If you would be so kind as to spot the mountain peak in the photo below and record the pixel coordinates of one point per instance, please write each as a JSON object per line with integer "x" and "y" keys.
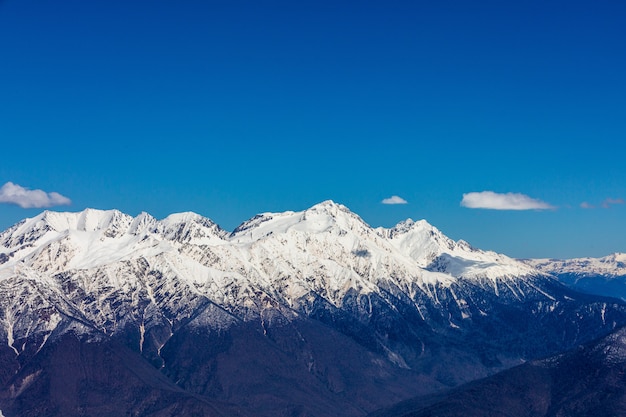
{"x": 328, "y": 202}
{"x": 328, "y": 205}
{"x": 408, "y": 225}
{"x": 617, "y": 257}
{"x": 183, "y": 217}
{"x": 142, "y": 223}
{"x": 335, "y": 211}
{"x": 315, "y": 219}
{"x": 89, "y": 220}
{"x": 190, "y": 227}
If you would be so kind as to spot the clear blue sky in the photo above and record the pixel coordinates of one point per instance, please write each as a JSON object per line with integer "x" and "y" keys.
{"x": 231, "y": 108}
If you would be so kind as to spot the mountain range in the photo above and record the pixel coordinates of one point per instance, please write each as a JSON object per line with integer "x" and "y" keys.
{"x": 310, "y": 313}
{"x": 602, "y": 276}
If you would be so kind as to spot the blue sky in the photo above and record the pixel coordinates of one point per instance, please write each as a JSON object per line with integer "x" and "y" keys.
{"x": 231, "y": 108}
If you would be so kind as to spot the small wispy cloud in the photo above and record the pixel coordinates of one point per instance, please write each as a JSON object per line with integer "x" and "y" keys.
{"x": 16, "y": 194}
{"x": 612, "y": 201}
{"x": 607, "y": 203}
{"x": 503, "y": 201}
{"x": 394, "y": 199}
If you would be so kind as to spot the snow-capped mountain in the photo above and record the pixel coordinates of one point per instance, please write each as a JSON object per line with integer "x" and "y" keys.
{"x": 318, "y": 293}
{"x": 601, "y": 276}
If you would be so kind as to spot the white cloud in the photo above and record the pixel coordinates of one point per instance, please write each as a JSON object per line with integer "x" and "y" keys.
{"x": 499, "y": 201}
{"x": 607, "y": 203}
{"x": 610, "y": 201}
{"x": 16, "y": 194}
{"x": 394, "y": 199}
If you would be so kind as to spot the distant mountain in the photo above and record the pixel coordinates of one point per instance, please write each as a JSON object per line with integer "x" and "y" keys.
{"x": 602, "y": 276}
{"x": 310, "y": 313}
{"x": 609, "y": 266}
{"x": 587, "y": 381}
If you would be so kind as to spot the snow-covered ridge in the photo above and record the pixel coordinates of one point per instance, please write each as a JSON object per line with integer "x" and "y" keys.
{"x": 613, "y": 265}
{"x": 91, "y": 238}
{"x": 325, "y": 250}
{"x": 98, "y": 237}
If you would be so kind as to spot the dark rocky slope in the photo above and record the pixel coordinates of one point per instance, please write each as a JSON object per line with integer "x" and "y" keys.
{"x": 588, "y": 381}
